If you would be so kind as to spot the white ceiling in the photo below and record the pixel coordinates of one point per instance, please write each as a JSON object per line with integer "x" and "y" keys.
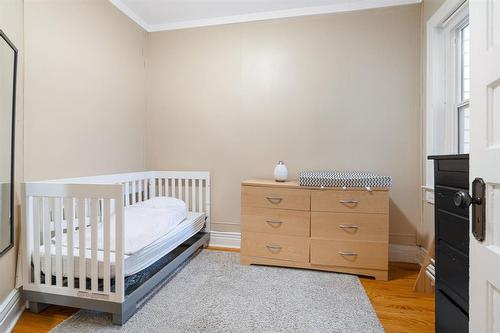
{"x": 158, "y": 15}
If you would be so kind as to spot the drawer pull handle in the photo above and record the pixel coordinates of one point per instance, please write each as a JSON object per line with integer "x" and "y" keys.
{"x": 274, "y": 200}
{"x": 348, "y": 226}
{"x": 348, "y": 254}
{"x": 274, "y": 224}
{"x": 348, "y": 201}
{"x": 275, "y": 248}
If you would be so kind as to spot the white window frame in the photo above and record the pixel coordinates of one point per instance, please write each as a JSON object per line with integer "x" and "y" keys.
{"x": 441, "y": 116}
{"x": 458, "y": 101}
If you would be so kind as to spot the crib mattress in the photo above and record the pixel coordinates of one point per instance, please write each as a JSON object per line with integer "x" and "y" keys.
{"x": 134, "y": 261}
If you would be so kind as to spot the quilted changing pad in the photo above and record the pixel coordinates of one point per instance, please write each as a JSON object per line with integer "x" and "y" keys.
{"x": 343, "y": 179}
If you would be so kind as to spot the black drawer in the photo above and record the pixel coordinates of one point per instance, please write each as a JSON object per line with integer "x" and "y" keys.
{"x": 449, "y": 317}
{"x": 454, "y": 230}
{"x": 443, "y": 198}
{"x": 452, "y": 273}
{"x": 453, "y": 173}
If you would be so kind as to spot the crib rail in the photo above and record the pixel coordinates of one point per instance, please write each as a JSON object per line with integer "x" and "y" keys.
{"x": 73, "y": 208}
{"x": 52, "y": 211}
{"x": 190, "y": 186}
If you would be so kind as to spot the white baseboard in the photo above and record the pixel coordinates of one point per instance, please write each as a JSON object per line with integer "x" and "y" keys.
{"x": 10, "y": 311}
{"x": 405, "y": 253}
{"x": 225, "y": 239}
{"x": 399, "y": 253}
{"x": 422, "y": 254}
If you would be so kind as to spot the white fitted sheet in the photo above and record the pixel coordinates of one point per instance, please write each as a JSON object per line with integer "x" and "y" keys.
{"x": 145, "y": 222}
{"x": 136, "y": 259}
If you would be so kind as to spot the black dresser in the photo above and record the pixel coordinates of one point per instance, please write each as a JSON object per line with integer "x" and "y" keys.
{"x": 451, "y": 176}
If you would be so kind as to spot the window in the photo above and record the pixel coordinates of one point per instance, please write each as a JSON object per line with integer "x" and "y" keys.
{"x": 447, "y": 94}
{"x": 462, "y": 105}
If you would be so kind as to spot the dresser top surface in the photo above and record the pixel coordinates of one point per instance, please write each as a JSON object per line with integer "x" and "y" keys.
{"x": 295, "y": 184}
{"x": 449, "y": 157}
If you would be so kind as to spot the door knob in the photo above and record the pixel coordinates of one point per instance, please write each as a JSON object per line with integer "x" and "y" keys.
{"x": 462, "y": 199}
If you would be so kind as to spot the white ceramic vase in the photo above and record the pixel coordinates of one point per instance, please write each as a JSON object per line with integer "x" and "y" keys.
{"x": 280, "y": 172}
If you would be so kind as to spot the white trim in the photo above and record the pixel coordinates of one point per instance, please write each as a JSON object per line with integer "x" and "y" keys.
{"x": 422, "y": 254}
{"x": 428, "y": 194}
{"x": 10, "y": 311}
{"x": 440, "y": 124}
{"x": 296, "y": 12}
{"x": 225, "y": 239}
{"x": 404, "y": 253}
{"x": 131, "y": 14}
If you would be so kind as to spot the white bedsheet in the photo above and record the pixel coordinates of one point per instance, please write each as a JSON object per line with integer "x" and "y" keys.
{"x": 133, "y": 263}
{"x": 153, "y": 228}
{"x": 145, "y": 222}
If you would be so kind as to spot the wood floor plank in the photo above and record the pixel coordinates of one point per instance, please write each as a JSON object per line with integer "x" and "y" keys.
{"x": 398, "y": 307}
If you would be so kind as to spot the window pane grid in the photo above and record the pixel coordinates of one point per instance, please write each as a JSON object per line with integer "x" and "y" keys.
{"x": 463, "y": 129}
{"x": 465, "y": 63}
{"x": 463, "y": 110}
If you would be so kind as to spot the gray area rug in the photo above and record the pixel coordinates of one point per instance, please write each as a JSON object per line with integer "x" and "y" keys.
{"x": 214, "y": 293}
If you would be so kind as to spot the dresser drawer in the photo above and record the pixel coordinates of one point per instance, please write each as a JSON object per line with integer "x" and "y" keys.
{"x": 280, "y": 247}
{"x": 452, "y": 173}
{"x": 444, "y": 201}
{"x": 449, "y": 317}
{"x": 368, "y": 255}
{"x": 275, "y": 221}
{"x": 453, "y": 273}
{"x": 350, "y": 226}
{"x": 348, "y": 201}
{"x": 268, "y": 197}
{"x": 453, "y": 229}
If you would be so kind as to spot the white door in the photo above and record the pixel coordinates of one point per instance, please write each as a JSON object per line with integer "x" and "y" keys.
{"x": 484, "y": 299}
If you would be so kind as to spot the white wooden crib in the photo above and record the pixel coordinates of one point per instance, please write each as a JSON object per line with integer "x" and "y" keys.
{"x": 53, "y": 209}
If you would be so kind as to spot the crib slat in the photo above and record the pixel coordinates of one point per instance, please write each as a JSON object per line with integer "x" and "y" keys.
{"x": 93, "y": 244}
{"x": 206, "y": 207}
{"x": 139, "y": 190}
{"x": 46, "y": 241}
{"x": 133, "y": 193}
{"x": 145, "y": 187}
{"x": 81, "y": 243}
{"x": 166, "y": 192}
{"x": 125, "y": 190}
{"x": 186, "y": 191}
{"x": 37, "y": 218}
{"x": 70, "y": 216}
{"x": 106, "y": 238}
{"x": 193, "y": 195}
{"x": 200, "y": 195}
{"x": 152, "y": 187}
{"x": 174, "y": 188}
{"x": 119, "y": 260}
{"x": 57, "y": 211}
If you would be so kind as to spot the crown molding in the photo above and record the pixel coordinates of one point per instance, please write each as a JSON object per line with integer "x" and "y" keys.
{"x": 296, "y": 12}
{"x": 131, "y": 14}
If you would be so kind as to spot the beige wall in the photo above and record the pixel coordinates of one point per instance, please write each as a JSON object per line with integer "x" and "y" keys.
{"x": 84, "y": 94}
{"x": 426, "y": 231}
{"x": 84, "y": 90}
{"x": 334, "y": 91}
{"x": 11, "y": 22}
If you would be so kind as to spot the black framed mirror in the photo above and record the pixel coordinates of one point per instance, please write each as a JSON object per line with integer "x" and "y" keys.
{"x": 8, "y": 72}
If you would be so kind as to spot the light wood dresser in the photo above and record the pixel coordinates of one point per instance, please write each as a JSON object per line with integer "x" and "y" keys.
{"x": 333, "y": 229}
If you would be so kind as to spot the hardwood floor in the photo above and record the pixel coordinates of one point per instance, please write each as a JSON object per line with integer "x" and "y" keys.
{"x": 398, "y": 307}
{"x": 44, "y": 321}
